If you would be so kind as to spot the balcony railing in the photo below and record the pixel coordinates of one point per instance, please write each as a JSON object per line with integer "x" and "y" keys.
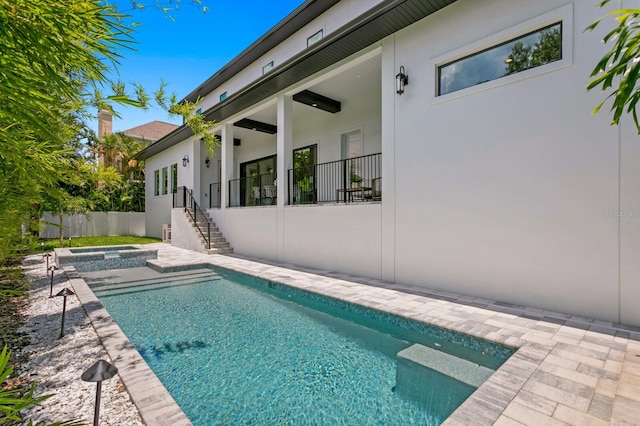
{"x": 349, "y": 180}
{"x": 256, "y": 190}
{"x": 214, "y": 195}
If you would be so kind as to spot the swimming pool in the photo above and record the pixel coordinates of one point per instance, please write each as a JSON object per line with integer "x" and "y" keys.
{"x": 244, "y": 350}
{"x": 104, "y": 258}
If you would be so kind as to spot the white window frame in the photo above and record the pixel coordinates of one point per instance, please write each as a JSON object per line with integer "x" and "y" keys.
{"x": 564, "y": 14}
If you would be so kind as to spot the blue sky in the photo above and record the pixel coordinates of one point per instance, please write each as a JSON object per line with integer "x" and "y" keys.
{"x": 187, "y": 50}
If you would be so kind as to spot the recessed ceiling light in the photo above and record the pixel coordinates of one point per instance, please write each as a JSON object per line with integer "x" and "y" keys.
{"x": 314, "y": 105}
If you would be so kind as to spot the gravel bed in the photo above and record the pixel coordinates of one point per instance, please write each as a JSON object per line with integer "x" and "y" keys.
{"x": 56, "y": 364}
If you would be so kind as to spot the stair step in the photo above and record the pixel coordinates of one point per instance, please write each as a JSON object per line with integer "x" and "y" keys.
{"x": 220, "y": 250}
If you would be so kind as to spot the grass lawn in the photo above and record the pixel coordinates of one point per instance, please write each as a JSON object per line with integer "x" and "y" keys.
{"x": 53, "y": 243}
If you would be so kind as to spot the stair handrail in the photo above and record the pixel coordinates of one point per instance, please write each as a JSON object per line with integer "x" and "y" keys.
{"x": 192, "y": 208}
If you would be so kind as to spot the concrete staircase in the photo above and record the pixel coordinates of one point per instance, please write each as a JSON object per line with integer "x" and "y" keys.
{"x": 205, "y": 225}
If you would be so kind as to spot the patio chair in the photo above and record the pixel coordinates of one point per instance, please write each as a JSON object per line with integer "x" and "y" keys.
{"x": 256, "y": 195}
{"x": 376, "y": 189}
{"x": 269, "y": 193}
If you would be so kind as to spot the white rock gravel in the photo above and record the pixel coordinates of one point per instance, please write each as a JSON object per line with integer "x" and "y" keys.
{"x": 55, "y": 365}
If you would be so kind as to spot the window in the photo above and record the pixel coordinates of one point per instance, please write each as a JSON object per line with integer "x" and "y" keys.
{"x": 531, "y": 50}
{"x": 165, "y": 181}
{"x": 315, "y": 38}
{"x": 224, "y": 95}
{"x": 156, "y": 183}
{"x": 174, "y": 178}
{"x": 267, "y": 68}
{"x": 199, "y": 111}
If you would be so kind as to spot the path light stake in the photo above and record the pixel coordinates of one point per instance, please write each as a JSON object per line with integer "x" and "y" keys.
{"x": 42, "y": 246}
{"x": 98, "y": 372}
{"x": 48, "y": 255}
{"x": 51, "y": 268}
{"x": 64, "y": 293}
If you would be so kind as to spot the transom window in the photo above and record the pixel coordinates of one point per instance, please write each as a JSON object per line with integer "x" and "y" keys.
{"x": 315, "y": 38}
{"x": 267, "y": 68}
{"x": 224, "y": 96}
{"x": 531, "y": 50}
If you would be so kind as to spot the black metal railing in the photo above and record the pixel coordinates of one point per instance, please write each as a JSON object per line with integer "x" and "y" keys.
{"x": 252, "y": 191}
{"x": 214, "y": 195}
{"x": 353, "y": 179}
{"x": 183, "y": 198}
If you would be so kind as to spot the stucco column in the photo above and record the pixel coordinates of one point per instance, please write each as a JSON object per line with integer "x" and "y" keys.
{"x": 194, "y": 163}
{"x": 388, "y": 211}
{"x": 226, "y": 167}
{"x": 285, "y": 154}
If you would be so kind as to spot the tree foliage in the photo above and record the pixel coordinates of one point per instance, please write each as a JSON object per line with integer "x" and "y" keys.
{"x": 618, "y": 70}
{"x": 547, "y": 49}
{"x": 55, "y": 60}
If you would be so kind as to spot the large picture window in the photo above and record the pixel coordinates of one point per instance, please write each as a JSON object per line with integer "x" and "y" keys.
{"x": 528, "y": 51}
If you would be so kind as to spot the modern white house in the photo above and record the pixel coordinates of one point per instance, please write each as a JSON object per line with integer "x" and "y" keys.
{"x": 439, "y": 143}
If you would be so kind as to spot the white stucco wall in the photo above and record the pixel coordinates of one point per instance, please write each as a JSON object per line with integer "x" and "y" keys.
{"x": 500, "y": 192}
{"x": 158, "y": 208}
{"x": 335, "y": 238}
{"x": 183, "y": 234}
{"x": 251, "y": 231}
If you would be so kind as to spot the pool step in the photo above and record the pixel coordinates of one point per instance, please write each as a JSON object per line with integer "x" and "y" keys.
{"x": 436, "y": 378}
{"x": 144, "y": 285}
{"x": 112, "y": 282}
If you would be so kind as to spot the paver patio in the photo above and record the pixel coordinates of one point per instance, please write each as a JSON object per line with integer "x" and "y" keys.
{"x": 567, "y": 370}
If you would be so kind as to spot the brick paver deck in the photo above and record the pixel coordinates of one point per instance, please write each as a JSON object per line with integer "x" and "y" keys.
{"x": 567, "y": 369}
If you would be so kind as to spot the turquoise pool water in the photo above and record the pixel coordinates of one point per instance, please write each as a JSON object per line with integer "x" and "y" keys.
{"x": 243, "y": 350}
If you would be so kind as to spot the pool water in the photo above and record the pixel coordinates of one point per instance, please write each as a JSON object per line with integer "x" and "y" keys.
{"x": 242, "y": 350}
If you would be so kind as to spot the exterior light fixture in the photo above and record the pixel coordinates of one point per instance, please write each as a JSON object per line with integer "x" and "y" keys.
{"x": 42, "y": 246}
{"x": 64, "y": 293}
{"x": 98, "y": 372}
{"x": 47, "y": 256}
{"x": 207, "y": 162}
{"x": 52, "y": 268}
{"x": 402, "y": 79}
{"x": 185, "y": 160}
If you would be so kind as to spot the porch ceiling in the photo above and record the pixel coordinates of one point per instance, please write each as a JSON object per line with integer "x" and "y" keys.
{"x": 386, "y": 18}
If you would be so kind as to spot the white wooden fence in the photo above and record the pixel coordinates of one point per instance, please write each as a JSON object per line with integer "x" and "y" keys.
{"x": 100, "y": 224}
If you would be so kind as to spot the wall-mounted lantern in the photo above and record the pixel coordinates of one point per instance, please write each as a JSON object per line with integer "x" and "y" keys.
{"x": 401, "y": 80}
{"x": 207, "y": 162}
{"x": 185, "y": 160}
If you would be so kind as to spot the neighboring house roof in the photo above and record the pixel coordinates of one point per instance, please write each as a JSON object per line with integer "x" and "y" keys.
{"x": 151, "y": 131}
{"x": 372, "y": 26}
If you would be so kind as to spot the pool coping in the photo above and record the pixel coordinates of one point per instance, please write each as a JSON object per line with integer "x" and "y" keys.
{"x": 566, "y": 368}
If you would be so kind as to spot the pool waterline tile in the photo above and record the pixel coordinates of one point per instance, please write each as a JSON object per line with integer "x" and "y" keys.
{"x": 431, "y": 306}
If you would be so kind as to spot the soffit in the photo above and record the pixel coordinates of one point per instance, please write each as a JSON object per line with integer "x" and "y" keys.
{"x": 379, "y": 22}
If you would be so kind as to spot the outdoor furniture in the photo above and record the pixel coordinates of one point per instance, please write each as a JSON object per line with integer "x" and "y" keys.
{"x": 376, "y": 189}
{"x": 269, "y": 193}
{"x": 351, "y": 194}
{"x": 256, "y": 195}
